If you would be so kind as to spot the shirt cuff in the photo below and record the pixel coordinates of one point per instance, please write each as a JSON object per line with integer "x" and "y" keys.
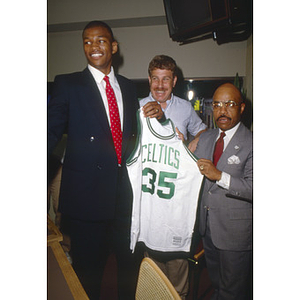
{"x": 224, "y": 182}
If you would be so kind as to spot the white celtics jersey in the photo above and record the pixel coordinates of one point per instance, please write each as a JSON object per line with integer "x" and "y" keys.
{"x": 166, "y": 182}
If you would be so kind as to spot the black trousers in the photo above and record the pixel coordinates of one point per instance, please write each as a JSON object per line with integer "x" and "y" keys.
{"x": 91, "y": 244}
{"x": 229, "y": 271}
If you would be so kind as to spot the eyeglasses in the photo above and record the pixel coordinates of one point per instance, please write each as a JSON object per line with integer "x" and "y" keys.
{"x": 228, "y": 104}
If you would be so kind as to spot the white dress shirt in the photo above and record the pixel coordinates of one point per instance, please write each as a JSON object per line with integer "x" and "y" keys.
{"x": 99, "y": 76}
{"x": 224, "y": 182}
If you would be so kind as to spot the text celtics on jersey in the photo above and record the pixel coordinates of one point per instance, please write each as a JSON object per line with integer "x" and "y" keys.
{"x": 161, "y": 153}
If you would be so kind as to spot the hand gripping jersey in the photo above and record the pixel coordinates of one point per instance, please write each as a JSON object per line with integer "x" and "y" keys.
{"x": 166, "y": 181}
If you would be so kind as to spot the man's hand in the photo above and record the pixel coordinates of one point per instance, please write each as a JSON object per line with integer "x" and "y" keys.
{"x": 208, "y": 169}
{"x": 193, "y": 144}
{"x": 153, "y": 110}
{"x": 180, "y": 135}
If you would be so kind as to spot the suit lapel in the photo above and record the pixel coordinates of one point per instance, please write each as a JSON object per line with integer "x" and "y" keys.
{"x": 210, "y": 141}
{"x": 127, "y": 113}
{"x": 94, "y": 100}
{"x": 210, "y": 152}
{"x": 232, "y": 148}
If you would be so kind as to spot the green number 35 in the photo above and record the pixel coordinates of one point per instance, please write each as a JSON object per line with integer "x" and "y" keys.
{"x": 150, "y": 186}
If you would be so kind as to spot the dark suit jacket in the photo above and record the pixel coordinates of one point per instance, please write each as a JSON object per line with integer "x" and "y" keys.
{"x": 92, "y": 182}
{"x": 230, "y": 211}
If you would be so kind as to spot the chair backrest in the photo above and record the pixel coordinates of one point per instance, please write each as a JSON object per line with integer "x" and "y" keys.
{"x": 153, "y": 283}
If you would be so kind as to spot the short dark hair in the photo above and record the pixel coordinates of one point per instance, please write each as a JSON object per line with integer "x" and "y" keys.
{"x": 93, "y": 24}
{"x": 163, "y": 62}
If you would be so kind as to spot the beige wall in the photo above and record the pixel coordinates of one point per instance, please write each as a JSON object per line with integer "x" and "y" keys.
{"x": 138, "y": 46}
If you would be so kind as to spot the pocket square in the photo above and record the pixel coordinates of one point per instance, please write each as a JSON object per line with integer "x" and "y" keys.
{"x": 233, "y": 160}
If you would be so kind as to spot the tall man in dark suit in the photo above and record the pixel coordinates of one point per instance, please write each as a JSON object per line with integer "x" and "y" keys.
{"x": 226, "y": 202}
{"x": 95, "y": 195}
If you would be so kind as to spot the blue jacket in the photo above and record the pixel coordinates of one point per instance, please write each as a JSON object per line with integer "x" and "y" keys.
{"x": 93, "y": 187}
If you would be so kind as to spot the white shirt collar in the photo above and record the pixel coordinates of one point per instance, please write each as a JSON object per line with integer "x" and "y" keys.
{"x": 229, "y": 134}
{"x": 98, "y": 75}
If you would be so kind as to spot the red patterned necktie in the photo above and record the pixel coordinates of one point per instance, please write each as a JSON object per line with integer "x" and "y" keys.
{"x": 219, "y": 148}
{"x": 115, "y": 123}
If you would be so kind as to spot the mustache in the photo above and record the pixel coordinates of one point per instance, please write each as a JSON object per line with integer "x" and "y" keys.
{"x": 224, "y": 116}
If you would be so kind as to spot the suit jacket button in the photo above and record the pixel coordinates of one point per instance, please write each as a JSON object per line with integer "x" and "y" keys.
{"x": 92, "y": 139}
